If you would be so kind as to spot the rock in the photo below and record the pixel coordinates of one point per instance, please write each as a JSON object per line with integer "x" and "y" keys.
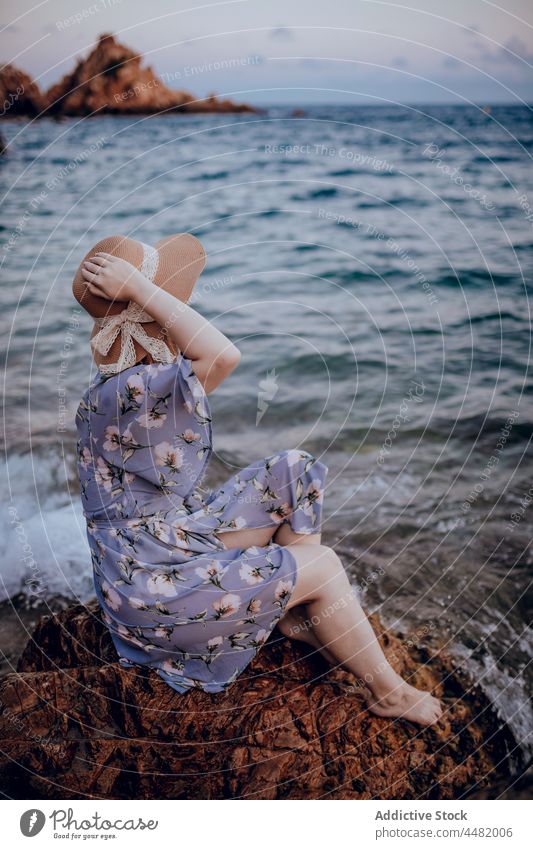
{"x": 112, "y": 80}
{"x": 75, "y": 724}
{"x": 518, "y": 787}
{"x": 19, "y": 95}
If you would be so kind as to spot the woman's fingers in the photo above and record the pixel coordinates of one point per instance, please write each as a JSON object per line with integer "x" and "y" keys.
{"x": 92, "y": 266}
{"x": 89, "y": 276}
{"x": 100, "y": 259}
{"x": 97, "y": 292}
{"x": 93, "y": 290}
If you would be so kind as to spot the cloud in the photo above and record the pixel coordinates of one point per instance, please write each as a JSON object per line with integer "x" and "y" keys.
{"x": 501, "y": 55}
{"x": 516, "y": 45}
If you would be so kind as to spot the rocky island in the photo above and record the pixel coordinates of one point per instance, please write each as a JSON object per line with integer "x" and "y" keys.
{"x": 110, "y": 80}
{"x": 75, "y": 724}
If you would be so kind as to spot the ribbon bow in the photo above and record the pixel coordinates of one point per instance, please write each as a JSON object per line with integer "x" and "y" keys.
{"x": 129, "y": 323}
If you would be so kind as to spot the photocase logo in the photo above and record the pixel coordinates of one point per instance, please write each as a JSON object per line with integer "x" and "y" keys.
{"x": 267, "y": 392}
{"x": 32, "y": 822}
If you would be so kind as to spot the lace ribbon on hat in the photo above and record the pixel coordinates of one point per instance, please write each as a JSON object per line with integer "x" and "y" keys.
{"x": 129, "y": 323}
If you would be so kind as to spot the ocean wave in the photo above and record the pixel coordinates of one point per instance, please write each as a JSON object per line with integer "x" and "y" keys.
{"x": 317, "y": 194}
{"x": 214, "y": 175}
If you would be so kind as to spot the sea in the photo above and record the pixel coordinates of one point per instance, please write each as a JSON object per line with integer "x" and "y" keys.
{"x": 374, "y": 265}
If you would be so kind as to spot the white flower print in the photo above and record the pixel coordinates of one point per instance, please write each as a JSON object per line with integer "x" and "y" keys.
{"x": 294, "y": 456}
{"x": 279, "y": 514}
{"x": 173, "y": 667}
{"x": 135, "y": 388}
{"x": 126, "y": 634}
{"x": 113, "y": 439}
{"x": 189, "y": 436}
{"x": 213, "y": 573}
{"x": 169, "y": 456}
{"x": 314, "y": 495}
{"x": 283, "y": 591}
{"x": 85, "y": 458}
{"x": 251, "y": 574}
{"x": 237, "y": 640}
{"x": 212, "y": 647}
{"x": 159, "y": 530}
{"x": 161, "y": 583}
{"x": 235, "y": 524}
{"x": 153, "y": 418}
{"x": 138, "y": 603}
{"x": 225, "y": 606}
{"x": 111, "y": 596}
{"x": 260, "y": 638}
{"x": 103, "y": 475}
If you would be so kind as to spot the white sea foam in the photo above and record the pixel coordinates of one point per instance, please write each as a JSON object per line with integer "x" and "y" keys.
{"x": 43, "y": 545}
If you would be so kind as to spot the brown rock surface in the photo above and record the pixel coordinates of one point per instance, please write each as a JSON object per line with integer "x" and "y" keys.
{"x": 112, "y": 79}
{"x": 19, "y": 95}
{"x": 75, "y": 724}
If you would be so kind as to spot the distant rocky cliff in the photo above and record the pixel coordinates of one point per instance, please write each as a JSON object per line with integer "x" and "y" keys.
{"x": 111, "y": 79}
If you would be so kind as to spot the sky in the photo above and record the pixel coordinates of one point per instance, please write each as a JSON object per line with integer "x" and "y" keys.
{"x": 293, "y": 51}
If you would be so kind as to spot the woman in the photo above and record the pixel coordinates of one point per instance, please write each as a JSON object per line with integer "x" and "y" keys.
{"x": 191, "y": 583}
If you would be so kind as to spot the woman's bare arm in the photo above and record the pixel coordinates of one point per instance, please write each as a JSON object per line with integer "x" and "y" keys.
{"x": 212, "y": 354}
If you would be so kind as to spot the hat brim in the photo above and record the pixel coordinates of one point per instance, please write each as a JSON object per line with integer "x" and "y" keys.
{"x": 181, "y": 261}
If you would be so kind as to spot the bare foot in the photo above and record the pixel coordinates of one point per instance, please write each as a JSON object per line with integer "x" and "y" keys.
{"x": 406, "y": 702}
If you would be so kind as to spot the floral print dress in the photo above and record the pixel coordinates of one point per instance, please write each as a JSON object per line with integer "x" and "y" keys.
{"x": 173, "y": 597}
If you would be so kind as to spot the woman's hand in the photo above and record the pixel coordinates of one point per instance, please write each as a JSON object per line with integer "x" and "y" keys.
{"x": 114, "y": 279}
{"x": 213, "y": 356}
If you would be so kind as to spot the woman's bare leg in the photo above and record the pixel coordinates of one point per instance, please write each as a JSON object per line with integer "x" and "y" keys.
{"x": 246, "y": 537}
{"x": 341, "y": 627}
{"x": 286, "y": 536}
{"x": 324, "y": 612}
{"x": 296, "y": 625}
{"x": 282, "y": 534}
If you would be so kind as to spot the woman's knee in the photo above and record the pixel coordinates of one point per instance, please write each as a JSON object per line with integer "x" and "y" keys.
{"x": 332, "y": 562}
{"x": 318, "y": 567}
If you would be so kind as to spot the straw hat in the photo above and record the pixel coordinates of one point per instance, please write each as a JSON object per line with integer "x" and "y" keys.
{"x": 123, "y": 333}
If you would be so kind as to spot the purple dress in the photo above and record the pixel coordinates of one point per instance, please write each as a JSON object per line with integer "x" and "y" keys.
{"x": 173, "y": 597}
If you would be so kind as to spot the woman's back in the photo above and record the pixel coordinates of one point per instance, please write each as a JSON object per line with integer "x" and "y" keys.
{"x": 144, "y": 439}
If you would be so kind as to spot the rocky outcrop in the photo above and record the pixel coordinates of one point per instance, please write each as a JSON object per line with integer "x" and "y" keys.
{"x": 19, "y": 95}
{"x": 75, "y": 724}
{"x": 112, "y": 79}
